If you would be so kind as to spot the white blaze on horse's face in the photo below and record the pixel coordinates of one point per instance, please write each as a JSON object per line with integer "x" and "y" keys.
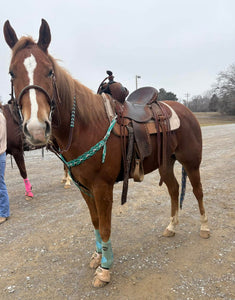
{"x": 30, "y": 65}
{"x": 35, "y": 128}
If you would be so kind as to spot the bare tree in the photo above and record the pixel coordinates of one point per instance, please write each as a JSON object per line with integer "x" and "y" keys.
{"x": 225, "y": 89}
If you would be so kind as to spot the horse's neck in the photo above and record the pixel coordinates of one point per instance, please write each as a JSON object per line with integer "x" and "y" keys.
{"x": 90, "y": 122}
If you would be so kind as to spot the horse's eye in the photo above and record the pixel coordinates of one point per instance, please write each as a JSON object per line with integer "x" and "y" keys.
{"x": 12, "y": 74}
{"x": 51, "y": 73}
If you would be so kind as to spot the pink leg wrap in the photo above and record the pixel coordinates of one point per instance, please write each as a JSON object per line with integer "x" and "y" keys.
{"x": 28, "y": 188}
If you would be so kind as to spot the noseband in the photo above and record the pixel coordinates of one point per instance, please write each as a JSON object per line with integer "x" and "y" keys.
{"x": 36, "y": 87}
{"x": 51, "y": 101}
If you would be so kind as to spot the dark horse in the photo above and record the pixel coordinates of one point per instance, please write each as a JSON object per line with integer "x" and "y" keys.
{"x": 15, "y": 146}
{"x": 52, "y": 102}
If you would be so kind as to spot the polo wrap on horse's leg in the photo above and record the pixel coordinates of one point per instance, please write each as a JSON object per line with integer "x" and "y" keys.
{"x": 98, "y": 241}
{"x": 107, "y": 255}
{"x": 96, "y": 257}
{"x": 28, "y": 188}
{"x": 102, "y": 274}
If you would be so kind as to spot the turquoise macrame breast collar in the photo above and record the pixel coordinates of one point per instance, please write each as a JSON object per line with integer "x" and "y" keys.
{"x": 79, "y": 160}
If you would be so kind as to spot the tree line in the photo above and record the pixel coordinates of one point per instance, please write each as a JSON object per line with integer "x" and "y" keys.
{"x": 221, "y": 98}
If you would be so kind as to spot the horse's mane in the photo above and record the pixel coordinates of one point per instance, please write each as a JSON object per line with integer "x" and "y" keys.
{"x": 89, "y": 105}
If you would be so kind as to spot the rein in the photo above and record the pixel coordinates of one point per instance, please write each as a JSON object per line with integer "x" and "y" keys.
{"x": 71, "y": 126}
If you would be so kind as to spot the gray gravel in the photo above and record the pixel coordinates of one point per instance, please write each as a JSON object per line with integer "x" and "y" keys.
{"x": 46, "y": 244}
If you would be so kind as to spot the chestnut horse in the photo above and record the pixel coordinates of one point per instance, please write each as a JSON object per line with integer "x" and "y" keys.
{"x": 54, "y": 105}
{"x": 15, "y": 146}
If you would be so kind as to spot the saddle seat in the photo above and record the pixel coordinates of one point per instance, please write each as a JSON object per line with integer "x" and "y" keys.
{"x": 136, "y": 107}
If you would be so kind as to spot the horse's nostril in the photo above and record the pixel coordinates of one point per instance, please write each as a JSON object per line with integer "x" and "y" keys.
{"x": 48, "y": 128}
{"x": 25, "y": 130}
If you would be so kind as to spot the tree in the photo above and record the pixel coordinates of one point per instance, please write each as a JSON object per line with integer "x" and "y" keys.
{"x": 214, "y": 103}
{"x": 164, "y": 95}
{"x": 225, "y": 89}
{"x": 199, "y": 103}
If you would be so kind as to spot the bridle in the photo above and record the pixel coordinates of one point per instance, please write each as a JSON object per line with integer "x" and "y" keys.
{"x": 51, "y": 100}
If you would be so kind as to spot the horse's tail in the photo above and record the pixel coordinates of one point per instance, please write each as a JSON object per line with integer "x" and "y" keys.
{"x": 183, "y": 186}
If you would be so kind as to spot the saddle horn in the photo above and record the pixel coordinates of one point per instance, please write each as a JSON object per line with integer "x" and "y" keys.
{"x": 115, "y": 89}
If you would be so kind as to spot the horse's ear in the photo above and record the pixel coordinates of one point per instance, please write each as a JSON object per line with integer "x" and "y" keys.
{"x": 9, "y": 34}
{"x": 44, "y": 36}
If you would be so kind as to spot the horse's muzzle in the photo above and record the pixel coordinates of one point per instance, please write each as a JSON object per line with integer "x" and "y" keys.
{"x": 37, "y": 133}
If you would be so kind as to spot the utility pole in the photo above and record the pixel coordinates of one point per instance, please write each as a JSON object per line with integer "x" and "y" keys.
{"x": 136, "y": 81}
{"x": 187, "y": 96}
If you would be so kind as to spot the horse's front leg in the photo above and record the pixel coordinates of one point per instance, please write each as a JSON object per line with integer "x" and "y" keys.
{"x": 96, "y": 257}
{"x": 19, "y": 159}
{"x": 100, "y": 212}
{"x": 103, "y": 194}
{"x": 66, "y": 179}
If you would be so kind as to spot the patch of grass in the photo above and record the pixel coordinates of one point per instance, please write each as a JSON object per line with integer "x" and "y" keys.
{"x": 213, "y": 118}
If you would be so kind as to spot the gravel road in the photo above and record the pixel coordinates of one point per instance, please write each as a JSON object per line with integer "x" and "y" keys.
{"x": 46, "y": 244}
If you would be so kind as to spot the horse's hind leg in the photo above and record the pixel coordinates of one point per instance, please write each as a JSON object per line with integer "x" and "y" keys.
{"x": 194, "y": 177}
{"x": 168, "y": 177}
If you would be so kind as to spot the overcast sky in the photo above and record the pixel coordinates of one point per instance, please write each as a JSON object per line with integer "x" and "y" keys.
{"x": 179, "y": 45}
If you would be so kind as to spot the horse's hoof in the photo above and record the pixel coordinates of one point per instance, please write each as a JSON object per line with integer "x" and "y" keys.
{"x": 168, "y": 233}
{"x": 205, "y": 234}
{"x": 67, "y": 186}
{"x": 102, "y": 278}
{"x": 97, "y": 283}
{"x": 95, "y": 260}
{"x": 28, "y": 196}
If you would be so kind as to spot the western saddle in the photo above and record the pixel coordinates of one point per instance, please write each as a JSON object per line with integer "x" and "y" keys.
{"x": 138, "y": 116}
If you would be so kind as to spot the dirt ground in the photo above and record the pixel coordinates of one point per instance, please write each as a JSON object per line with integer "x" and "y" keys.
{"x": 47, "y": 243}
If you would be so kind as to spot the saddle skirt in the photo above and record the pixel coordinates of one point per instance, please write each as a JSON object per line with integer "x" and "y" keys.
{"x": 174, "y": 121}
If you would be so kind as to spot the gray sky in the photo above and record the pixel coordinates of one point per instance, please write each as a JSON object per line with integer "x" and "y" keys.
{"x": 179, "y": 45}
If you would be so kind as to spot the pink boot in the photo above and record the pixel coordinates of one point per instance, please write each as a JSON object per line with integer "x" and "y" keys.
{"x": 28, "y": 189}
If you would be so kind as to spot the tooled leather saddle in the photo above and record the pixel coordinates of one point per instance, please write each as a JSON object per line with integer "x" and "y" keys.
{"x": 138, "y": 116}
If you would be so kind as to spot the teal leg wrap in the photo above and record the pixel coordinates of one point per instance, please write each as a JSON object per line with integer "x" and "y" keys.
{"x": 107, "y": 255}
{"x": 98, "y": 241}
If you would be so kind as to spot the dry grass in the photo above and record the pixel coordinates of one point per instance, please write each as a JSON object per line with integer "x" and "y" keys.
{"x": 213, "y": 118}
